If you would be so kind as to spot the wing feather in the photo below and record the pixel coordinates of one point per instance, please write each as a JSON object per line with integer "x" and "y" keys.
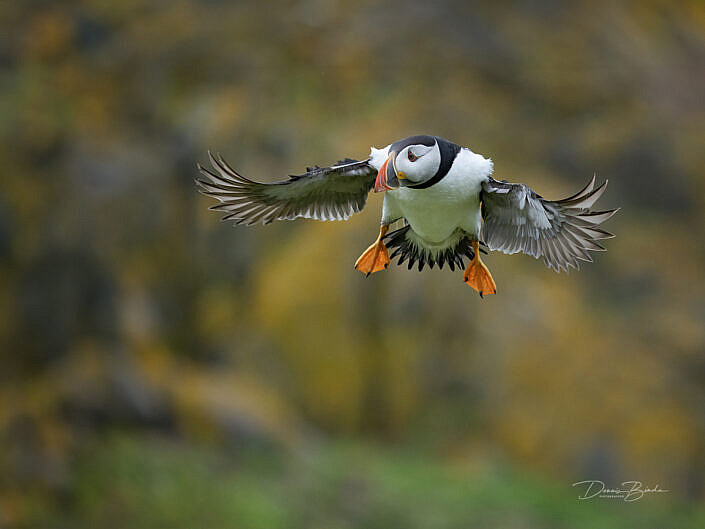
{"x": 323, "y": 193}
{"x": 563, "y": 232}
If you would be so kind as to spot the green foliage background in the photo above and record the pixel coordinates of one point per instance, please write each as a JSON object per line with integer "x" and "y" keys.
{"x": 160, "y": 369}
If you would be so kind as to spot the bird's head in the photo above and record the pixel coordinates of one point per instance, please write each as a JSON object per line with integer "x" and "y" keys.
{"x": 410, "y": 162}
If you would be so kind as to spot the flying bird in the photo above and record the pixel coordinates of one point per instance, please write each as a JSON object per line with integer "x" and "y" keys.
{"x": 450, "y": 205}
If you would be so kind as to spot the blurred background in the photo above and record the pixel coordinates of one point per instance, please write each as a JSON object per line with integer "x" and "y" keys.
{"x": 159, "y": 368}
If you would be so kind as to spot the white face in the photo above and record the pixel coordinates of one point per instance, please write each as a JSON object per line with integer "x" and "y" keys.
{"x": 417, "y": 163}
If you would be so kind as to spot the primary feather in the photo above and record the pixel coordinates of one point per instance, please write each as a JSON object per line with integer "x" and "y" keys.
{"x": 323, "y": 193}
{"x": 517, "y": 219}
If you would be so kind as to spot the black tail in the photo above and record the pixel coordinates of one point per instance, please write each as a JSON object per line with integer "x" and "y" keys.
{"x": 409, "y": 249}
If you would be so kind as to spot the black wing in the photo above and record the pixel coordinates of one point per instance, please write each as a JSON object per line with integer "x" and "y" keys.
{"x": 323, "y": 193}
{"x": 516, "y": 219}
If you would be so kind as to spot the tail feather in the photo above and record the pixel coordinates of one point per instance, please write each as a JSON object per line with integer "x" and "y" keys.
{"x": 409, "y": 247}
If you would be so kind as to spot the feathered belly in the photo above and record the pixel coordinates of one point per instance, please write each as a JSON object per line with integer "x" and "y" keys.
{"x": 441, "y": 228}
{"x": 434, "y": 217}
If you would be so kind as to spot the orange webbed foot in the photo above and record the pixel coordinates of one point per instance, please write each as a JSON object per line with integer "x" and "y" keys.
{"x": 376, "y": 257}
{"x": 478, "y": 276}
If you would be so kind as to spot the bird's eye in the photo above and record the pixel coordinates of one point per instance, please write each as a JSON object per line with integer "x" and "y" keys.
{"x": 412, "y": 157}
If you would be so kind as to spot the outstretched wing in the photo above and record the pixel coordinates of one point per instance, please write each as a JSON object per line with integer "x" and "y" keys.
{"x": 516, "y": 219}
{"x": 323, "y": 193}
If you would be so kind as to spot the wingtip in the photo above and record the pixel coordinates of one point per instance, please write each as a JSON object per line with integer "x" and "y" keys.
{"x": 212, "y": 159}
{"x": 589, "y": 187}
{"x": 610, "y": 213}
{"x": 599, "y": 189}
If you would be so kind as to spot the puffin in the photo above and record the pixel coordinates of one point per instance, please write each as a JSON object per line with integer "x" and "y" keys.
{"x": 444, "y": 196}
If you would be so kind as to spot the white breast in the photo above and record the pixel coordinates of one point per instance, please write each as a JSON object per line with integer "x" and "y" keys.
{"x": 436, "y": 212}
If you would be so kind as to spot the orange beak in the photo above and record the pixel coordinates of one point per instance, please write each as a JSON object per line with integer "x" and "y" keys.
{"x": 387, "y": 176}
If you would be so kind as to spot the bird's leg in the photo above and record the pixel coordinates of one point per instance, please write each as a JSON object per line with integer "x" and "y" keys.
{"x": 376, "y": 257}
{"x": 478, "y": 276}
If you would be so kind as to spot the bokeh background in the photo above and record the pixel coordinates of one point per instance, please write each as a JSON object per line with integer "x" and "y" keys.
{"x": 159, "y": 368}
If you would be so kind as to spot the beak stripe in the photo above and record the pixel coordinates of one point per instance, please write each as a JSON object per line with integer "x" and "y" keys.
{"x": 382, "y": 181}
